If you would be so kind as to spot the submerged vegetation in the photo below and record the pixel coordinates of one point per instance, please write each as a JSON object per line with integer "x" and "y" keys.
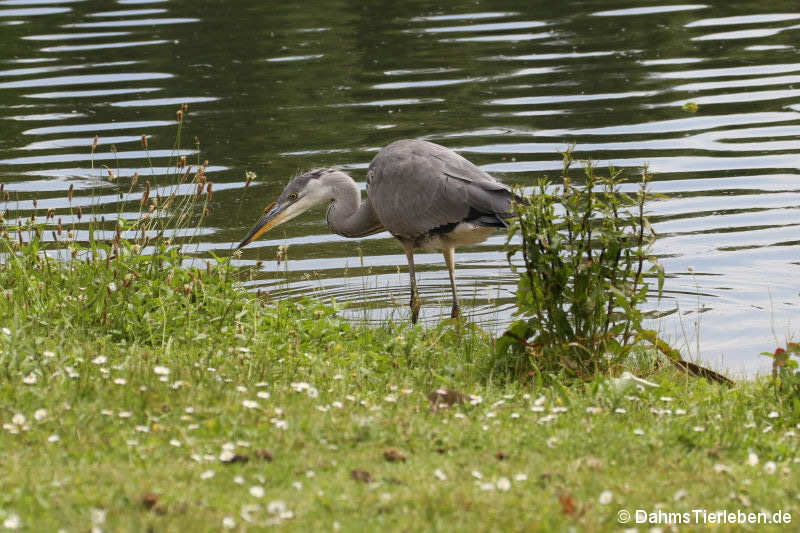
{"x": 145, "y": 389}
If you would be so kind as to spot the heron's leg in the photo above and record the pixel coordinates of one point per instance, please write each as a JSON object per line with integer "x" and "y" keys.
{"x": 414, "y": 304}
{"x": 449, "y": 259}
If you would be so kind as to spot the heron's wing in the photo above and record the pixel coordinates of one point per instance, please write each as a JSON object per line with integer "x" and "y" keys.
{"x": 417, "y": 186}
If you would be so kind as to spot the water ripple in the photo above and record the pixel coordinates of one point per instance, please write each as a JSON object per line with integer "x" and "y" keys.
{"x": 102, "y": 126}
{"x": 33, "y": 11}
{"x": 92, "y": 93}
{"x": 85, "y": 79}
{"x": 743, "y": 20}
{"x": 654, "y": 10}
{"x": 102, "y": 46}
{"x": 136, "y": 22}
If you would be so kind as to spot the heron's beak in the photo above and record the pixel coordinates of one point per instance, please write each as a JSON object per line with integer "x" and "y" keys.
{"x": 274, "y": 214}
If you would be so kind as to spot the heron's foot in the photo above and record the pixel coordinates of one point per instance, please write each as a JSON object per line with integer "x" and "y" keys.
{"x": 415, "y": 305}
{"x": 455, "y": 312}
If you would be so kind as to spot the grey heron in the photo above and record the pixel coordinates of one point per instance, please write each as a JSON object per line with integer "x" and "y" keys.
{"x": 424, "y": 194}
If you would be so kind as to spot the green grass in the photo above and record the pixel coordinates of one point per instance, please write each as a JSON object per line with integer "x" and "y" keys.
{"x": 149, "y": 373}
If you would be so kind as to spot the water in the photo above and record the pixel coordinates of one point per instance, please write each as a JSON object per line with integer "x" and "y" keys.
{"x": 276, "y": 87}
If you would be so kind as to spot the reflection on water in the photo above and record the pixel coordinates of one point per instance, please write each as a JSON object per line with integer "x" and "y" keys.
{"x": 279, "y": 88}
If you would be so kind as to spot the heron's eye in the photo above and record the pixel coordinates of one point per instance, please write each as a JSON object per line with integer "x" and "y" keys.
{"x": 293, "y": 197}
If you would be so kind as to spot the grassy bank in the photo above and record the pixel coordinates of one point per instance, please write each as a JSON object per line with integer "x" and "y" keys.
{"x": 137, "y": 395}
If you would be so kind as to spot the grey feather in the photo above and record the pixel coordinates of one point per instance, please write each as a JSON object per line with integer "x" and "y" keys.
{"x": 416, "y": 187}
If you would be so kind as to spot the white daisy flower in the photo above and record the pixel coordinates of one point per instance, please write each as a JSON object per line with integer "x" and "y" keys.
{"x": 12, "y": 521}
{"x": 503, "y": 484}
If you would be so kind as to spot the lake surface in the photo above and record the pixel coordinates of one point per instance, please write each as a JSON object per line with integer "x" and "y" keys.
{"x": 278, "y": 87}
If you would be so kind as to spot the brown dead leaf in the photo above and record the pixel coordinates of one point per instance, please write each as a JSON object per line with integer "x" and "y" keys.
{"x": 149, "y": 500}
{"x": 567, "y": 503}
{"x": 394, "y": 456}
{"x": 362, "y": 475}
{"x": 569, "y": 506}
{"x": 264, "y": 454}
{"x": 444, "y": 398}
{"x": 501, "y": 455}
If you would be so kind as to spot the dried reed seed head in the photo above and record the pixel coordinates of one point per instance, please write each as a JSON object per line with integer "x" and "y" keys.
{"x": 59, "y": 226}
{"x": 186, "y": 174}
{"x": 94, "y": 142}
{"x": 179, "y": 114}
{"x": 35, "y": 203}
{"x": 51, "y": 213}
{"x": 182, "y": 161}
{"x": 111, "y": 174}
{"x": 135, "y": 178}
{"x": 80, "y": 213}
{"x": 114, "y": 148}
{"x": 196, "y": 141}
{"x": 2, "y": 187}
{"x": 199, "y": 189}
{"x": 144, "y": 141}
{"x": 70, "y": 191}
{"x": 5, "y": 196}
{"x": 205, "y": 163}
{"x": 146, "y": 193}
{"x": 205, "y": 212}
{"x": 185, "y": 107}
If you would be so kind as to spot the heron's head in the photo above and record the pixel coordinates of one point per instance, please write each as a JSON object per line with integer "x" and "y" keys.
{"x": 301, "y": 194}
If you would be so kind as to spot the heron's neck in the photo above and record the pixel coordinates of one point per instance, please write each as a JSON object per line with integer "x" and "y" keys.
{"x": 347, "y": 214}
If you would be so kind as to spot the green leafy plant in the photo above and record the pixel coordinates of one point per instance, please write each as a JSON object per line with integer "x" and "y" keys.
{"x": 585, "y": 272}
{"x": 785, "y": 377}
